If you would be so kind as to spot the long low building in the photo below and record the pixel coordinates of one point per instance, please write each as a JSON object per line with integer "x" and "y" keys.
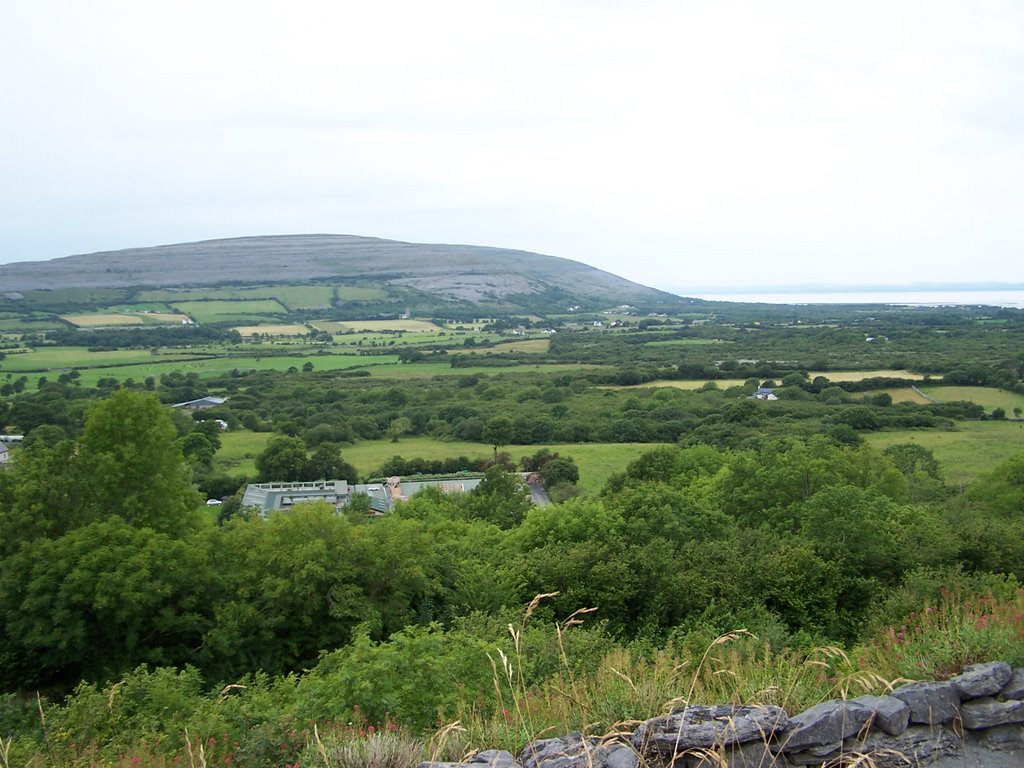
{"x": 271, "y": 497}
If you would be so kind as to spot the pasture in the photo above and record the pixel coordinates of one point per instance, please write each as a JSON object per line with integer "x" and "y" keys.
{"x": 861, "y": 375}
{"x": 972, "y": 449}
{"x": 529, "y": 346}
{"x": 904, "y": 395}
{"x": 292, "y": 296}
{"x": 988, "y": 397}
{"x": 229, "y": 311}
{"x": 44, "y": 359}
{"x": 359, "y": 293}
{"x": 125, "y": 317}
{"x": 102, "y": 319}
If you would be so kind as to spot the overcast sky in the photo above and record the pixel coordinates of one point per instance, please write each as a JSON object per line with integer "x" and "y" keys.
{"x": 681, "y": 144}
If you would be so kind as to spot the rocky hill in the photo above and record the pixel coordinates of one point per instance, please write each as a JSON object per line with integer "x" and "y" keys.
{"x": 463, "y": 273}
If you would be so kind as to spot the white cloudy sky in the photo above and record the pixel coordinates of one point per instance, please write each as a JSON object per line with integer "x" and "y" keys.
{"x": 684, "y": 144}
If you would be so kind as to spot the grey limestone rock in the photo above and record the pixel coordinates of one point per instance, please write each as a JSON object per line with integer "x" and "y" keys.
{"x": 916, "y": 747}
{"x": 493, "y": 758}
{"x": 1002, "y": 737}
{"x": 553, "y": 753}
{"x": 574, "y": 751}
{"x": 751, "y": 755}
{"x": 619, "y": 756}
{"x": 888, "y": 713}
{"x": 696, "y": 727}
{"x": 930, "y": 703}
{"x": 825, "y": 723}
{"x": 988, "y": 713}
{"x": 980, "y": 680}
{"x": 1014, "y": 689}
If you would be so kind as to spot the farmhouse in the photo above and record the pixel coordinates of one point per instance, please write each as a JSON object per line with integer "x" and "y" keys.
{"x": 272, "y": 497}
{"x": 201, "y": 403}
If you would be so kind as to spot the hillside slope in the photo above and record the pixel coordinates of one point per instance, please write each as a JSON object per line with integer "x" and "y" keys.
{"x": 457, "y": 272}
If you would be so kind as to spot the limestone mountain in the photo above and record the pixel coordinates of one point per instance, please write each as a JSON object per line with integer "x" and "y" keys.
{"x": 463, "y": 274}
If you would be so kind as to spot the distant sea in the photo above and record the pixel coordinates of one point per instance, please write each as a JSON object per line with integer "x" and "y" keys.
{"x": 920, "y": 298}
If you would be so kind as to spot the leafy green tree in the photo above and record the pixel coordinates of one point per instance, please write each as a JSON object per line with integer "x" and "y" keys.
{"x": 326, "y": 463}
{"x": 501, "y": 498}
{"x": 499, "y": 431}
{"x": 126, "y": 463}
{"x": 97, "y": 601}
{"x": 283, "y": 460}
{"x": 287, "y": 587}
{"x": 131, "y": 465}
{"x": 561, "y": 471}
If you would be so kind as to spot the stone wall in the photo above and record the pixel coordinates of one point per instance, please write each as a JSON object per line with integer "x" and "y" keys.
{"x": 975, "y": 720}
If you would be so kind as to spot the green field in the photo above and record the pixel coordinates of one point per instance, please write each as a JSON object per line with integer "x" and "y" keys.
{"x": 357, "y": 293}
{"x": 66, "y": 358}
{"x": 124, "y": 317}
{"x": 230, "y": 311}
{"x": 529, "y": 346}
{"x": 861, "y": 375}
{"x": 294, "y": 296}
{"x": 904, "y": 395}
{"x": 27, "y": 326}
{"x": 140, "y": 364}
{"x": 597, "y": 461}
{"x": 238, "y": 449}
{"x": 973, "y": 448}
{"x": 102, "y": 319}
{"x": 989, "y": 397}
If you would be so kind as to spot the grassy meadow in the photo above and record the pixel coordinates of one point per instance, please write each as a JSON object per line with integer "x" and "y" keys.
{"x": 988, "y": 397}
{"x": 224, "y": 311}
{"x": 973, "y": 448}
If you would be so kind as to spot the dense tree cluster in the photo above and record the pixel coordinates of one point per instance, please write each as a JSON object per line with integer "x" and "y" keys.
{"x": 107, "y": 564}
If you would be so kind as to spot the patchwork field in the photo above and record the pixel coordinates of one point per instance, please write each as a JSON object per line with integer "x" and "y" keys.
{"x": 973, "y": 448}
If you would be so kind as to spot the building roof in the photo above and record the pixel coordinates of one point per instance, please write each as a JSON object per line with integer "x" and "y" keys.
{"x": 203, "y": 402}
